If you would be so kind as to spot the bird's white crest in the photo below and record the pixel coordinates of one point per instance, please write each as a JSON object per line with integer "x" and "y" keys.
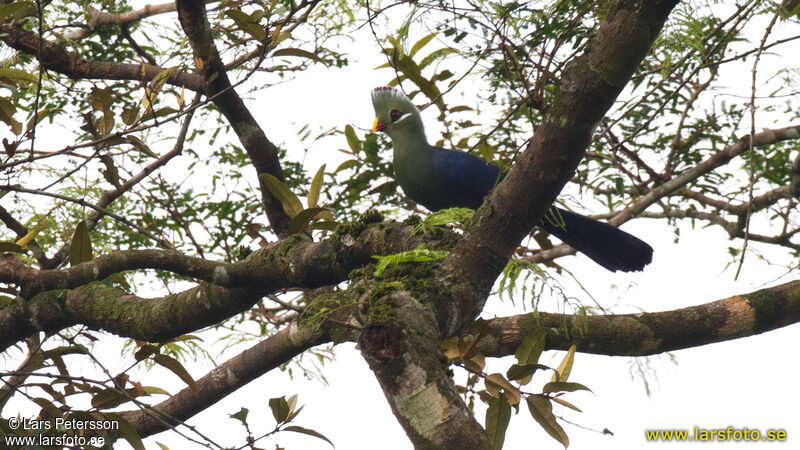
{"x": 385, "y": 98}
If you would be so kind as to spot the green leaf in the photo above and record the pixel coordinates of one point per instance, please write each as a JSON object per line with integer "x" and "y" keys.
{"x": 291, "y": 204}
{"x": 309, "y": 432}
{"x": 7, "y": 110}
{"x": 421, "y": 43}
{"x": 495, "y": 382}
{"x": 565, "y": 403}
{"x": 419, "y": 254}
{"x": 542, "y": 411}
{"x": 299, "y": 223}
{"x": 280, "y": 408}
{"x": 531, "y": 347}
{"x": 352, "y": 140}
{"x": 80, "y": 249}
{"x": 316, "y": 187}
{"x": 111, "y": 173}
{"x": 248, "y": 23}
{"x": 564, "y": 369}
{"x": 18, "y": 10}
{"x": 444, "y": 217}
{"x": 18, "y": 74}
{"x": 128, "y": 431}
{"x": 138, "y": 144}
{"x": 498, "y": 415}
{"x": 441, "y": 53}
{"x": 160, "y": 78}
{"x": 177, "y": 368}
{"x": 130, "y": 114}
{"x": 563, "y": 386}
{"x": 350, "y": 163}
{"x": 523, "y": 372}
{"x": 43, "y": 114}
{"x": 241, "y": 415}
{"x": 300, "y": 53}
{"x": 790, "y": 8}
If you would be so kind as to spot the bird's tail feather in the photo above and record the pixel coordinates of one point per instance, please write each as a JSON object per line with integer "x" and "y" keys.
{"x": 606, "y": 245}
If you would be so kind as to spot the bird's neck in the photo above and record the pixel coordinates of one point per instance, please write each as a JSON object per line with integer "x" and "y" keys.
{"x": 409, "y": 141}
{"x": 412, "y": 160}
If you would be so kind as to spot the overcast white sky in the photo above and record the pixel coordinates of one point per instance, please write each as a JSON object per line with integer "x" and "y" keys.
{"x": 748, "y": 382}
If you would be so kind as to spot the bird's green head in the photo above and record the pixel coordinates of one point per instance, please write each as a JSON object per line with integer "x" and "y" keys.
{"x": 395, "y": 114}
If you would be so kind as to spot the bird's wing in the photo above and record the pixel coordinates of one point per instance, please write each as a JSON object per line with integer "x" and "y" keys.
{"x": 464, "y": 178}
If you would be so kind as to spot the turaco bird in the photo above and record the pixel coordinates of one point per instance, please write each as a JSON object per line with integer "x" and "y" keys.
{"x": 437, "y": 178}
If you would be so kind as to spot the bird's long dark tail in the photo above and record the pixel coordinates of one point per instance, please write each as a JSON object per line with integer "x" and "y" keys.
{"x": 606, "y": 245}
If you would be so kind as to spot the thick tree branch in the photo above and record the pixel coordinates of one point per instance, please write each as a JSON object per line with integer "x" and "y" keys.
{"x": 290, "y": 263}
{"x": 262, "y": 152}
{"x": 651, "y": 333}
{"x": 56, "y": 58}
{"x": 400, "y": 346}
{"x": 589, "y": 86}
{"x": 287, "y": 264}
{"x": 224, "y": 379}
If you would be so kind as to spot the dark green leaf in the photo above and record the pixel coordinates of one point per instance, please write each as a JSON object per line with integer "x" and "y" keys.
{"x": 299, "y": 223}
{"x": 127, "y": 431}
{"x": 241, "y": 415}
{"x": 563, "y": 386}
{"x": 17, "y": 74}
{"x": 177, "y": 368}
{"x": 300, "y": 53}
{"x": 309, "y": 432}
{"x": 291, "y": 204}
{"x": 316, "y": 187}
{"x": 498, "y": 415}
{"x": 352, "y": 140}
{"x": 80, "y": 249}
{"x": 280, "y": 408}
{"x": 542, "y": 411}
{"x": 531, "y": 347}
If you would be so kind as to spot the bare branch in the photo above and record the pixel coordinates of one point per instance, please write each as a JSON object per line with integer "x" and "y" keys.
{"x": 651, "y": 333}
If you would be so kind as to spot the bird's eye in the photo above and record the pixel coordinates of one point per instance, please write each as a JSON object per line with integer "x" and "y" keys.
{"x": 395, "y": 115}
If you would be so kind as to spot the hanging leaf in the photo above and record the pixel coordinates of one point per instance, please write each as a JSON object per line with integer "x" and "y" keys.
{"x": 542, "y": 411}
{"x": 128, "y": 431}
{"x": 80, "y": 249}
{"x": 291, "y": 204}
{"x": 7, "y": 111}
{"x": 498, "y": 415}
{"x": 309, "y": 432}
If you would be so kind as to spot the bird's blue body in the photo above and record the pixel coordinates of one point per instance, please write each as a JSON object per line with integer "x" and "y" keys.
{"x": 438, "y": 178}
